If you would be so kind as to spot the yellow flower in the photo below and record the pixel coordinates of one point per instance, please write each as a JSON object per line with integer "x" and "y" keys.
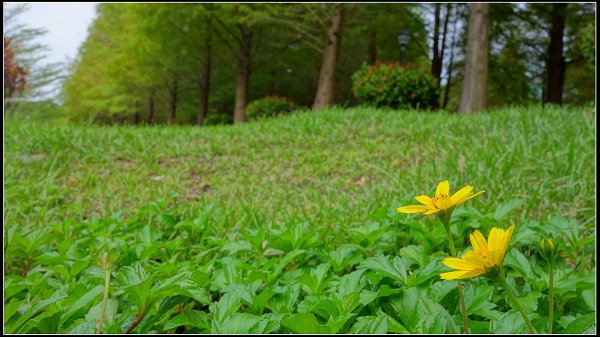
{"x": 441, "y": 201}
{"x": 485, "y": 256}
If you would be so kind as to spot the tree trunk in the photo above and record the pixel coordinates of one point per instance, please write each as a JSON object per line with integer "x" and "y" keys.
{"x": 205, "y": 77}
{"x": 474, "y": 93}
{"x": 556, "y": 61}
{"x": 326, "y": 86}
{"x": 151, "y": 106}
{"x": 372, "y": 56}
{"x": 243, "y": 75}
{"x": 172, "y": 101}
{"x": 436, "y": 62}
{"x": 450, "y": 64}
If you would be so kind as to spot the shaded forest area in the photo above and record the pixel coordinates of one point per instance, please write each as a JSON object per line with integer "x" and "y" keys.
{"x": 204, "y": 63}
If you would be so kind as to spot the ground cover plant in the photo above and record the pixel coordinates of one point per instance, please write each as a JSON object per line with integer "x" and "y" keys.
{"x": 290, "y": 225}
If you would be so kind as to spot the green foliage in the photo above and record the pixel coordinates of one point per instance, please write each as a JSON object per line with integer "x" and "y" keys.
{"x": 320, "y": 249}
{"x": 269, "y": 106}
{"x": 395, "y": 86}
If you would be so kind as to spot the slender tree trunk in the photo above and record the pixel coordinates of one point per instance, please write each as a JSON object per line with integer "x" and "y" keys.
{"x": 151, "y": 106}
{"x": 474, "y": 93}
{"x": 205, "y": 77}
{"x": 326, "y": 86}
{"x": 372, "y": 56}
{"x": 556, "y": 62}
{"x": 243, "y": 75}
{"x": 436, "y": 62}
{"x": 450, "y": 64}
{"x": 172, "y": 101}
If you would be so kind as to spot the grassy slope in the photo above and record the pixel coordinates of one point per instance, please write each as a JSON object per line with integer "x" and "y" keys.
{"x": 334, "y": 167}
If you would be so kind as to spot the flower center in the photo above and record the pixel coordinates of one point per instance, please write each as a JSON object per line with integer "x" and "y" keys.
{"x": 481, "y": 254}
{"x": 437, "y": 197}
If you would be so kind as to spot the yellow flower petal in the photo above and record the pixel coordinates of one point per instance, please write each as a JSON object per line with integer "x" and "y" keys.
{"x": 474, "y": 260}
{"x": 474, "y": 273}
{"x": 453, "y": 275}
{"x": 462, "y": 193}
{"x": 443, "y": 188}
{"x": 495, "y": 239}
{"x": 469, "y": 197}
{"x": 478, "y": 241}
{"x": 458, "y": 264}
{"x": 432, "y": 211}
{"x": 507, "y": 237}
{"x": 425, "y": 200}
{"x": 410, "y": 209}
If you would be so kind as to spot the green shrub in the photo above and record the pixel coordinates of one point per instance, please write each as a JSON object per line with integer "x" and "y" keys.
{"x": 269, "y": 106}
{"x": 218, "y": 119}
{"x": 395, "y": 86}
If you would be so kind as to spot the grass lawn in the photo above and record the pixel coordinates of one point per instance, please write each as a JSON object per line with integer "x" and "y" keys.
{"x": 267, "y": 192}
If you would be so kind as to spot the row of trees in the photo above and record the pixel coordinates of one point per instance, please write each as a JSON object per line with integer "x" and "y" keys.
{"x": 197, "y": 63}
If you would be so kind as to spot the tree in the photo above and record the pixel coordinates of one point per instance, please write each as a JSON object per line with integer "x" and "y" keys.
{"x": 28, "y": 80}
{"x": 474, "y": 92}
{"x": 556, "y": 61}
{"x": 14, "y": 75}
{"x": 326, "y": 84}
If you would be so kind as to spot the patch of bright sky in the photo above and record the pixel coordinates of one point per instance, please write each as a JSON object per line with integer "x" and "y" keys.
{"x": 67, "y": 25}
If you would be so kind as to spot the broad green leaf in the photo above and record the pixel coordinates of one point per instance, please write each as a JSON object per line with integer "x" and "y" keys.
{"x": 589, "y": 297}
{"x": 394, "y": 268}
{"x": 580, "y": 324}
{"x": 370, "y": 325}
{"x": 515, "y": 259}
{"x": 195, "y": 318}
{"x": 82, "y": 302}
{"x": 434, "y": 318}
{"x": 406, "y": 307}
{"x": 305, "y": 323}
{"x": 509, "y": 323}
{"x": 439, "y": 290}
{"x": 233, "y": 248}
{"x": 283, "y": 263}
{"x": 477, "y": 298}
{"x": 228, "y": 304}
{"x": 34, "y": 310}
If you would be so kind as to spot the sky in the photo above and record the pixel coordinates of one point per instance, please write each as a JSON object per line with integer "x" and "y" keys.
{"x": 67, "y": 25}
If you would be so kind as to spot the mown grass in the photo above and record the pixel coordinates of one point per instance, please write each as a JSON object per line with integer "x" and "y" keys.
{"x": 257, "y": 228}
{"x": 332, "y": 166}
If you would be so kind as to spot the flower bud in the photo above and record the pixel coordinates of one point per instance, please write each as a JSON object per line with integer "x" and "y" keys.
{"x": 548, "y": 250}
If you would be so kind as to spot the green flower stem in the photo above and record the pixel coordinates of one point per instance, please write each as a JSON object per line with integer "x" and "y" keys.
{"x": 463, "y": 307}
{"x": 551, "y": 293}
{"x": 502, "y": 281}
{"x": 104, "y": 299}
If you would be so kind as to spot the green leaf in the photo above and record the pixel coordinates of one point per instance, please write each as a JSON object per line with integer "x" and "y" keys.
{"x": 35, "y": 309}
{"x": 509, "y": 323}
{"x": 370, "y": 325}
{"x": 228, "y": 304}
{"x": 580, "y": 324}
{"x": 406, "y": 307}
{"x": 194, "y": 318}
{"x": 283, "y": 263}
{"x": 477, "y": 298}
{"x": 506, "y": 207}
{"x": 434, "y": 318}
{"x": 305, "y": 323}
{"x": 589, "y": 297}
{"x": 439, "y": 290}
{"x": 394, "y": 269}
{"x": 520, "y": 263}
{"x": 237, "y": 246}
{"x": 10, "y": 309}
{"x": 82, "y": 302}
